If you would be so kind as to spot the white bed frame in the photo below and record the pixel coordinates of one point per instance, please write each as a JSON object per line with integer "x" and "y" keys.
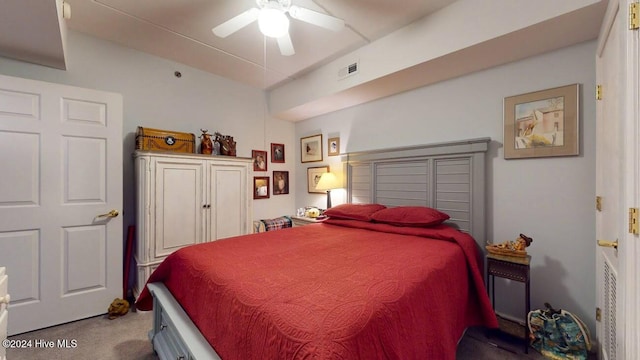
{"x": 447, "y": 176}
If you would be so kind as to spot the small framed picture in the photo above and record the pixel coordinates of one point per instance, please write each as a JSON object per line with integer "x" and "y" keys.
{"x": 277, "y": 153}
{"x": 313, "y": 176}
{"x": 280, "y": 182}
{"x": 333, "y": 146}
{"x": 260, "y": 187}
{"x": 259, "y": 160}
{"x": 311, "y": 148}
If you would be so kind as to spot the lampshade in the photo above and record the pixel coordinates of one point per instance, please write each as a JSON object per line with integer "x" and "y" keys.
{"x": 328, "y": 181}
{"x": 273, "y": 22}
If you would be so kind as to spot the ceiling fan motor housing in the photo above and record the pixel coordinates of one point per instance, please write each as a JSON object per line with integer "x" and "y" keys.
{"x": 284, "y": 4}
{"x": 273, "y": 21}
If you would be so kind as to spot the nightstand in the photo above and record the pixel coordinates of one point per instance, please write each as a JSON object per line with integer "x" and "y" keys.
{"x": 303, "y": 220}
{"x": 512, "y": 268}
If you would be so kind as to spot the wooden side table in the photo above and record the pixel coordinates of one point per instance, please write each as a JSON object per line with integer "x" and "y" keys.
{"x": 512, "y": 268}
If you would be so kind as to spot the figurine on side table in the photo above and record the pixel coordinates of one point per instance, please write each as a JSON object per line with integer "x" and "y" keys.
{"x": 511, "y": 248}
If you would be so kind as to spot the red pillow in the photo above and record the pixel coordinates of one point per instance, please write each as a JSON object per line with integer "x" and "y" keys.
{"x": 417, "y": 216}
{"x": 353, "y": 211}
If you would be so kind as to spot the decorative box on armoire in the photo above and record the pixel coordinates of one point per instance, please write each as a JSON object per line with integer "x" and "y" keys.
{"x": 187, "y": 199}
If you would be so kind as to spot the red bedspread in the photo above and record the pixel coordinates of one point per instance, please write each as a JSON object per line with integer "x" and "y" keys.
{"x": 324, "y": 291}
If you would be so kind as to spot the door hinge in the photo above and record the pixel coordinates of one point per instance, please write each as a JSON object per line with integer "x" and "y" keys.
{"x": 598, "y": 92}
{"x": 599, "y": 203}
{"x": 598, "y": 314}
{"x": 634, "y": 16}
{"x": 633, "y": 221}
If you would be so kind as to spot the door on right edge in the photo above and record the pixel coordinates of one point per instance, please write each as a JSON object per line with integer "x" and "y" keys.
{"x": 610, "y": 184}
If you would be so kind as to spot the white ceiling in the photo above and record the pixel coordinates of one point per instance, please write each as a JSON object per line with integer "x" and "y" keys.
{"x": 180, "y": 30}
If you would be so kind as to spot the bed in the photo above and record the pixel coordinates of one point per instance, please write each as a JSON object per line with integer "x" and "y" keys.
{"x": 401, "y": 280}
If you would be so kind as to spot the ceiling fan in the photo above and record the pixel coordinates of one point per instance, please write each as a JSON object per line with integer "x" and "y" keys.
{"x": 273, "y": 21}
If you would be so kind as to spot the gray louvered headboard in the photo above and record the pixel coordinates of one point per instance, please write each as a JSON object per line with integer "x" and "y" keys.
{"x": 448, "y": 176}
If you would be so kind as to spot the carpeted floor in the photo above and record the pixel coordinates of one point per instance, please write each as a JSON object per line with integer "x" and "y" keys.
{"x": 126, "y": 338}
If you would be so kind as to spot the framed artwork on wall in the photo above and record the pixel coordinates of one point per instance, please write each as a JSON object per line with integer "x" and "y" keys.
{"x": 313, "y": 176}
{"x": 280, "y": 182}
{"x": 542, "y": 124}
{"x": 260, "y": 187}
{"x": 311, "y": 148}
{"x": 333, "y": 146}
{"x": 277, "y": 153}
{"x": 259, "y": 160}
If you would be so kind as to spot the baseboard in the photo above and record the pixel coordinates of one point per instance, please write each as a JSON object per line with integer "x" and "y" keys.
{"x": 511, "y": 326}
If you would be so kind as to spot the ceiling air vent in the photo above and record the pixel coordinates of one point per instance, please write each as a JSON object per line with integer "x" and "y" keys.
{"x": 348, "y": 70}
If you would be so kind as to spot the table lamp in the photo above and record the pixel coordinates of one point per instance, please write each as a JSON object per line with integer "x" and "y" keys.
{"x": 328, "y": 181}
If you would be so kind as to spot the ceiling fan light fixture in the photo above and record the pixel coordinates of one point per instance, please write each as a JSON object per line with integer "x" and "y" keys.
{"x": 273, "y": 22}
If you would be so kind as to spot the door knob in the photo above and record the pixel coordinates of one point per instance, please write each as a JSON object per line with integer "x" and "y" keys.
{"x": 606, "y": 243}
{"x": 112, "y": 213}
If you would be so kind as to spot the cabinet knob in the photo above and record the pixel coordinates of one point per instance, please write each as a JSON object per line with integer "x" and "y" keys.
{"x": 162, "y": 327}
{"x": 5, "y": 299}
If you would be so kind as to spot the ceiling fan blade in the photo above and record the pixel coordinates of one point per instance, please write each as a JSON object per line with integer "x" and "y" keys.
{"x": 286, "y": 46}
{"x": 236, "y": 23}
{"x": 316, "y": 18}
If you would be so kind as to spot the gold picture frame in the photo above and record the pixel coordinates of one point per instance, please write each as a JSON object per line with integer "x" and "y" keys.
{"x": 311, "y": 148}
{"x": 313, "y": 176}
{"x": 333, "y": 146}
{"x": 542, "y": 124}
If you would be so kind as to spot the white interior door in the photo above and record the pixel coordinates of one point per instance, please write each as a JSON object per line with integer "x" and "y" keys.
{"x": 616, "y": 183}
{"x": 61, "y": 155}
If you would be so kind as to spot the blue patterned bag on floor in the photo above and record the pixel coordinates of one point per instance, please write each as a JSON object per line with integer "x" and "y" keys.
{"x": 558, "y": 334}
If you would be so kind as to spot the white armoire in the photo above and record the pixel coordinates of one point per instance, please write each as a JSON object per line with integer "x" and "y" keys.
{"x": 186, "y": 199}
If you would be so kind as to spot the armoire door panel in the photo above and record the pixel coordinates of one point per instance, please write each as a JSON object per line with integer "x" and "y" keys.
{"x": 178, "y": 206}
{"x": 229, "y": 192}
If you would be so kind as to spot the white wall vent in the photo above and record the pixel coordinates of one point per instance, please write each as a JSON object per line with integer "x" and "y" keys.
{"x": 610, "y": 288}
{"x": 348, "y": 70}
